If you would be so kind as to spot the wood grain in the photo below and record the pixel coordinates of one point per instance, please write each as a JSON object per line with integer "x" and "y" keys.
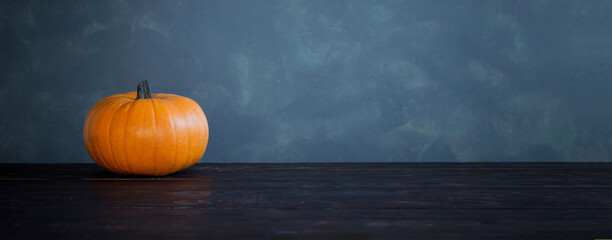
{"x": 311, "y": 200}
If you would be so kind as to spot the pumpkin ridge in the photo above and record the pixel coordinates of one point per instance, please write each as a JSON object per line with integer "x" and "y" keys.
{"x": 155, "y": 157}
{"x": 117, "y": 166}
{"x": 185, "y": 163}
{"x": 125, "y": 130}
{"x": 96, "y": 146}
{"x": 110, "y": 126}
{"x": 176, "y": 143}
{"x": 194, "y": 120}
{"x": 196, "y": 114}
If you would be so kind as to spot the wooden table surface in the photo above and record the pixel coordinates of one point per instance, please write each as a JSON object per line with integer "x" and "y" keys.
{"x": 310, "y": 200}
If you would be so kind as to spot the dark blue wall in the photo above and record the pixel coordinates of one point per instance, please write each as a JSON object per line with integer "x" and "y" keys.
{"x": 294, "y": 81}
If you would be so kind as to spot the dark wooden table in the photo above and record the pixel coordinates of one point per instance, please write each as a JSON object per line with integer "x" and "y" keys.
{"x": 313, "y": 200}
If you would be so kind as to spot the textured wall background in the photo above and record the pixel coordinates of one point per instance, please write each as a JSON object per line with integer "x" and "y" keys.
{"x": 293, "y": 81}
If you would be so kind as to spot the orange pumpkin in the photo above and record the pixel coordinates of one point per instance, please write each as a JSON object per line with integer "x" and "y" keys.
{"x": 141, "y": 133}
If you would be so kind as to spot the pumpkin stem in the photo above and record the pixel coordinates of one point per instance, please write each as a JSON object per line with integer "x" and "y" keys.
{"x": 143, "y": 91}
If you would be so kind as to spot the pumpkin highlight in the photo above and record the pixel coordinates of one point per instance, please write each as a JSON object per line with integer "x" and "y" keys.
{"x": 139, "y": 133}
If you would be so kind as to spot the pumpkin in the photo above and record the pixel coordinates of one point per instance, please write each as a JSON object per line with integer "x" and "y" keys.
{"x": 139, "y": 133}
